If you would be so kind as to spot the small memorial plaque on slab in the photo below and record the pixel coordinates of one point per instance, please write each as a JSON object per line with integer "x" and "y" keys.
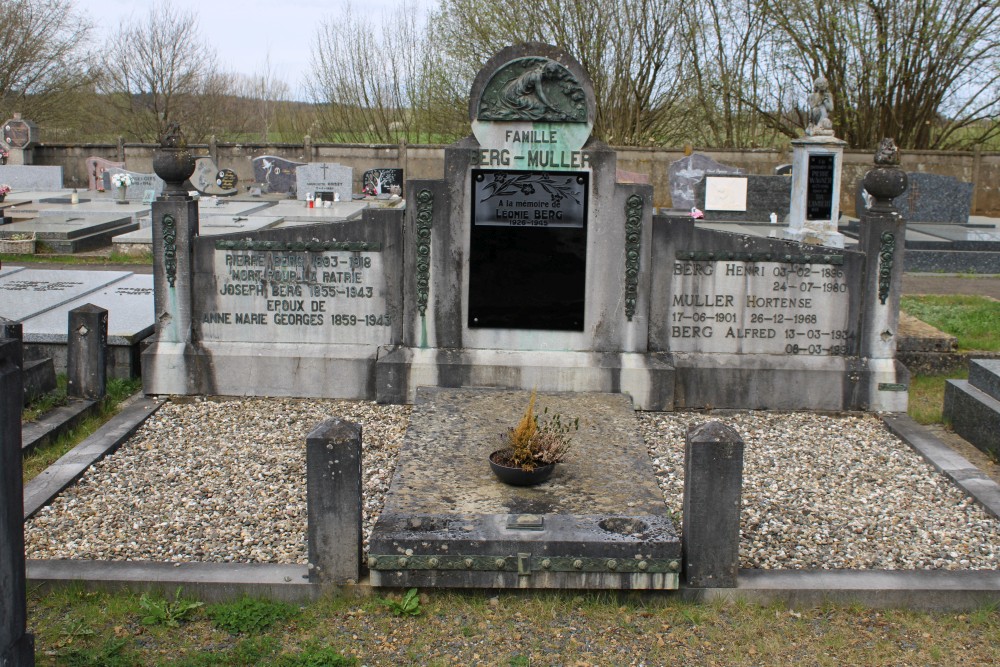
{"x": 725, "y": 194}
{"x": 819, "y": 190}
{"x": 527, "y": 260}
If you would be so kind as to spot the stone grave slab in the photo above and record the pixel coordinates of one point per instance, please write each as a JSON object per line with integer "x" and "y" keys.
{"x": 764, "y": 195}
{"x": 129, "y": 302}
{"x": 686, "y": 173}
{"x": 296, "y": 214}
{"x": 957, "y": 233}
{"x": 141, "y": 240}
{"x": 600, "y": 522}
{"x": 320, "y": 178}
{"x": 96, "y": 207}
{"x": 214, "y": 206}
{"x": 275, "y": 174}
{"x": 31, "y": 177}
{"x": 30, "y": 292}
{"x": 73, "y": 233}
{"x": 8, "y": 270}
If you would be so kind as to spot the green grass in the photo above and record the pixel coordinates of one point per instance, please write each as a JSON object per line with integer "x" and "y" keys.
{"x": 96, "y": 260}
{"x": 73, "y": 626}
{"x": 973, "y": 320}
{"x": 975, "y": 323}
{"x": 927, "y": 396}
{"x": 38, "y": 460}
{"x": 45, "y": 402}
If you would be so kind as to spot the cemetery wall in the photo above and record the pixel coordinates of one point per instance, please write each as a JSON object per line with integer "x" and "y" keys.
{"x": 427, "y": 161}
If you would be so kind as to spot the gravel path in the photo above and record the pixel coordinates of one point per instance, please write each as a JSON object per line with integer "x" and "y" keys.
{"x": 224, "y": 481}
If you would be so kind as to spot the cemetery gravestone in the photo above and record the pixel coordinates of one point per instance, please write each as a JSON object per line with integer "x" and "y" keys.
{"x": 32, "y": 178}
{"x": 930, "y": 198}
{"x": 687, "y": 173}
{"x": 379, "y": 181}
{"x": 210, "y": 180}
{"x": 814, "y": 212}
{"x": 96, "y": 166}
{"x": 20, "y": 136}
{"x": 140, "y": 183}
{"x": 530, "y": 265}
{"x": 762, "y": 196}
{"x": 324, "y": 180}
{"x": 275, "y": 173}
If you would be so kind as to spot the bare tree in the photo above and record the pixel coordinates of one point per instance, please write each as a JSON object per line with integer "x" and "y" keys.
{"x": 264, "y": 91}
{"x": 374, "y": 84}
{"x": 631, "y": 48}
{"x": 42, "y": 63}
{"x": 739, "y": 80}
{"x": 922, "y": 71}
{"x": 159, "y": 70}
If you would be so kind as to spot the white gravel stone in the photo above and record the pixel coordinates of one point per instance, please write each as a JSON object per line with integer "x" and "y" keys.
{"x": 212, "y": 480}
{"x": 224, "y": 481}
{"x": 834, "y": 492}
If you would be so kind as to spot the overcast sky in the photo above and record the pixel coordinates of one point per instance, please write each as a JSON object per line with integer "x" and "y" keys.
{"x": 246, "y": 32}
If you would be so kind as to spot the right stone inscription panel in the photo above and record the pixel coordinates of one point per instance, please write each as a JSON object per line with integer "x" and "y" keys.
{"x": 734, "y": 307}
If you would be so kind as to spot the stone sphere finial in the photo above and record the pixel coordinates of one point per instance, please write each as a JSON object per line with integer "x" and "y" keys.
{"x": 886, "y": 180}
{"x": 173, "y": 162}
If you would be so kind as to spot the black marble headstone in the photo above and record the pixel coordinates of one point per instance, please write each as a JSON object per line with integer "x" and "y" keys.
{"x": 277, "y": 174}
{"x": 380, "y": 180}
{"x": 528, "y": 250}
{"x": 819, "y": 187}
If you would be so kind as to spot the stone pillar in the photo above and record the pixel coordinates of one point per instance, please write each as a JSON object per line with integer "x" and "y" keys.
{"x": 333, "y": 501}
{"x": 713, "y": 486}
{"x": 882, "y": 239}
{"x": 817, "y": 163}
{"x": 16, "y": 645}
{"x": 175, "y": 225}
{"x": 87, "y": 353}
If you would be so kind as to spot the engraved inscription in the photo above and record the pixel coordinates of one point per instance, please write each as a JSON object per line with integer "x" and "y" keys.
{"x": 759, "y": 308}
{"x": 298, "y": 297}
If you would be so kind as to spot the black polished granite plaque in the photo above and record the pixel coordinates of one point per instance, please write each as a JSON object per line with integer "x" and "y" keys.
{"x": 819, "y": 190}
{"x": 528, "y": 249}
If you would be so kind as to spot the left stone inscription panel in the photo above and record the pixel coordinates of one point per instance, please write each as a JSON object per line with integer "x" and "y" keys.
{"x": 334, "y": 297}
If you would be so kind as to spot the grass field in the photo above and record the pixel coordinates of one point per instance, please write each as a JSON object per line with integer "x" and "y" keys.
{"x": 975, "y": 323}
{"x": 76, "y": 627}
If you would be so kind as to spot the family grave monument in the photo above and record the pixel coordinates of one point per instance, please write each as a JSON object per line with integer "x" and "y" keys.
{"x": 530, "y": 265}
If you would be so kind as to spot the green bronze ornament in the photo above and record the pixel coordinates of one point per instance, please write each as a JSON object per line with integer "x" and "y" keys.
{"x": 633, "y": 240}
{"x": 425, "y": 216}
{"x": 885, "y": 253}
{"x": 533, "y": 89}
{"x": 170, "y": 248}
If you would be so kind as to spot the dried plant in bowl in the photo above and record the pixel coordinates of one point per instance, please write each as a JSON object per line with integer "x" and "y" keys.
{"x": 537, "y": 442}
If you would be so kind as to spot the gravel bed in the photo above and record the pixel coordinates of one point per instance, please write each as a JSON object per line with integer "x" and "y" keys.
{"x": 224, "y": 481}
{"x": 212, "y": 481}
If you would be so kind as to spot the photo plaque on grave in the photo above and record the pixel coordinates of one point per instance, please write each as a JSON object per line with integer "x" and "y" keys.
{"x": 528, "y": 240}
{"x": 819, "y": 190}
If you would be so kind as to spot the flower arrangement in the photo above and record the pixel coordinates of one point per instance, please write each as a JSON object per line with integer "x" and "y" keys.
{"x": 4, "y": 189}
{"x": 121, "y": 180}
{"x": 536, "y": 441}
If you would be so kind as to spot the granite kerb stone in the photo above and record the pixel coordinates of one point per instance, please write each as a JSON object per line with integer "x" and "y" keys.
{"x": 984, "y": 375}
{"x": 42, "y": 489}
{"x": 55, "y": 422}
{"x": 952, "y": 465}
